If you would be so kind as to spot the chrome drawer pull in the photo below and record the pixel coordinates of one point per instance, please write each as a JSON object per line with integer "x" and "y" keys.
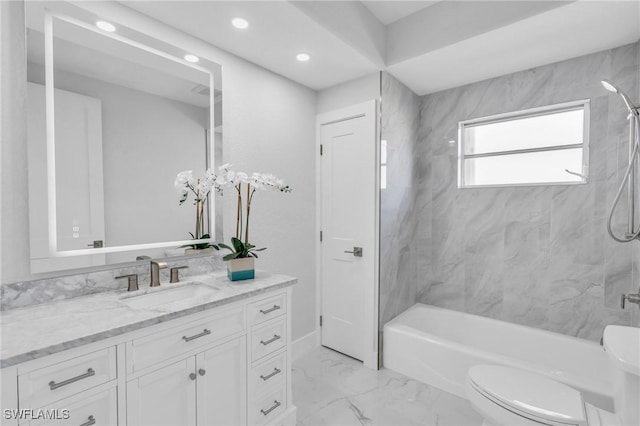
{"x": 53, "y": 385}
{"x": 273, "y": 339}
{"x": 268, "y": 311}
{"x": 276, "y": 404}
{"x": 275, "y": 371}
{"x": 190, "y": 338}
{"x": 89, "y": 422}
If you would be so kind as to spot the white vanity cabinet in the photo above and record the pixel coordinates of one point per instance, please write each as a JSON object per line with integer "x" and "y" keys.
{"x": 208, "y": 388}
{"x": 77, "y": 387}
{"x": 228, "y": 365}
{"x": 205, "y": 389}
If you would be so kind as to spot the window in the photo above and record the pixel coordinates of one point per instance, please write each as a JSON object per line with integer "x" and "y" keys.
{"x": 540, "y": 146}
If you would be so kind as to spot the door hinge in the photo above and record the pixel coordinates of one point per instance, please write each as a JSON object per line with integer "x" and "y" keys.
{"x": 320, "y": 320}
{"x": 320, "y": 236}
{"x": 320, "y": 149}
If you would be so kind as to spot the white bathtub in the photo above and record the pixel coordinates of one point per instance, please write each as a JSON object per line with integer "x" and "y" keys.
{"x": 438, "y": 346}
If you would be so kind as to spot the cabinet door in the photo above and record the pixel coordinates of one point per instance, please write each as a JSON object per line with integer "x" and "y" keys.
{"x": 87, "y": 408}
{"x": 222, "y": 384}
{"x": 166, "y": 396}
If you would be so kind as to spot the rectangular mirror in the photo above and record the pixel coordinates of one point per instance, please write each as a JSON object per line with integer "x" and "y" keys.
{"x": 112, "y": 121}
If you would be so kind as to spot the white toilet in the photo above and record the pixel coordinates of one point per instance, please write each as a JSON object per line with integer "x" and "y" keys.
{"x": 508, "y": 396}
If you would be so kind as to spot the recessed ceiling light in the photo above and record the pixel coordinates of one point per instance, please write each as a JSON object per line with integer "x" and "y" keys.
{"x": 240, "y": 23}
{"x": 303, "y": 57}
{"x": 191, "y": 58}
{"x": 105, "y": 26}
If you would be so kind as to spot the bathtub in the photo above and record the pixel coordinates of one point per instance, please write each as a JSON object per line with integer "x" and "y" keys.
{"x": 438, "y": 346}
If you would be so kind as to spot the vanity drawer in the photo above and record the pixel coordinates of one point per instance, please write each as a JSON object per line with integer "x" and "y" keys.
{"x": 268, "y": 338}
{"x": 269, "y": 374}
{"x": 98, "y": 410}
{"x": 268, "y": 407}
{"x": 157, "y": 347}
{"x": 266, "y": 309}
{"x": 40, "y": 387}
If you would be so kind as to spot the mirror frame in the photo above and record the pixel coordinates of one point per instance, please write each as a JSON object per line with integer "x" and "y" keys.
{"x": 50, "y": 131}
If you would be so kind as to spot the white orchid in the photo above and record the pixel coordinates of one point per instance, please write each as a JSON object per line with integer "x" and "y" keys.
{"x": 185, "y": 182}
{"x": 266, "y": 181}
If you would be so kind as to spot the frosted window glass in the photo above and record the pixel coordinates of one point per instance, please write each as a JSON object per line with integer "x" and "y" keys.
{"x": 536, "y": 146}
{"x": 530, "y": 167}
{"x": 561, "y": 128}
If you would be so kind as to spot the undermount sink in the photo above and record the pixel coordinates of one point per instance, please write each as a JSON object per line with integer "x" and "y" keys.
{"x": 169, "y": 294}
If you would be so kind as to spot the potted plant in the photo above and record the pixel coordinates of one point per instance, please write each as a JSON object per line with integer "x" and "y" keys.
{"x": 186, "y": 183}
{"x": 241, "y": 260}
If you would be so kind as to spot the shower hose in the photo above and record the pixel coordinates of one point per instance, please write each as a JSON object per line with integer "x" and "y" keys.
{"x": 632, "y": 163}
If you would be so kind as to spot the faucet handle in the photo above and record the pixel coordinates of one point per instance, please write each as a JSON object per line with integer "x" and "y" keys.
{"x": 633, "y": 298}
{"x": 132, "y": 280}
{"x": 174, "y": 273}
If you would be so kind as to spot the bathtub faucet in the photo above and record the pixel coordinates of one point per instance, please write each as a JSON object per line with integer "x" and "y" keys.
{"x": 631, "y": 298}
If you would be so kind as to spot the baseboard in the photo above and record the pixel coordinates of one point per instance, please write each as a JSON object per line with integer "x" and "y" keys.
{"x": 304, "y": 345}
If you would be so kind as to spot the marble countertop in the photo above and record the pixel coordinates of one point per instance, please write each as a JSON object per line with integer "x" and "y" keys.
{"x": 37, "y": 331}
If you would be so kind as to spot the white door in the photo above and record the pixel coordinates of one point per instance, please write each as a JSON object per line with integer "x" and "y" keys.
{"x": 79, "y": 178}
{"x": 349, "y": 226}
{"x": 165, "y": 397}
{"x": 221, "y": 384}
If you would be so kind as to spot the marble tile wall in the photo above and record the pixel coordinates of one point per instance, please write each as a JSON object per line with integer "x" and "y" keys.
{"x": 27, "y": 293}
{"x": 538, "y": 256}
{"x": 398, "y": 254}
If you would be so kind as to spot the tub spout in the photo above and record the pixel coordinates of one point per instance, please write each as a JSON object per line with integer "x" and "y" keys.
{"x": 631, "y": 298}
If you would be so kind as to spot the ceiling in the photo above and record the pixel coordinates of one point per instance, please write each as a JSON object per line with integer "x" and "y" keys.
{"x": 389, "y": 12}
{"x": 428, "y": 45}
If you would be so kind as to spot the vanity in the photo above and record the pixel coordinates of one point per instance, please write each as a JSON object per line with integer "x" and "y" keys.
{"x": 113, "y": 116}
{"x": 218, "y": 357}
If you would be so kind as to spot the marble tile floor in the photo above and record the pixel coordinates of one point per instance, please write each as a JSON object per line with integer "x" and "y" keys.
{"x": 332, "y": 389}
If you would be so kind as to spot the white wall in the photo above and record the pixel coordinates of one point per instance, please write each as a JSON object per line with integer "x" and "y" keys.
{"x": 350, "y": 93}
{"x": 14, "y": 198}
{"x": 268, "y": 125}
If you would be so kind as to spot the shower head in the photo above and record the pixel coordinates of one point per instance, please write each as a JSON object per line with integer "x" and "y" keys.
{"x": 612, "y": 88}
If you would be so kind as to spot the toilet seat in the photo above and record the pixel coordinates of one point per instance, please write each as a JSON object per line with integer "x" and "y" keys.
{"x": 504, "y": 392}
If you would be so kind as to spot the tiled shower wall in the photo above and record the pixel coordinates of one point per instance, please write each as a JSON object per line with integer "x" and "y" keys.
{"x": 538, "y": 255}
{"x": 400, "y": 109}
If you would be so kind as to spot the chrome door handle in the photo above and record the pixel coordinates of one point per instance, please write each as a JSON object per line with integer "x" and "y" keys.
{"x": 357, "y": 251}
{"x": 53, "y": 385}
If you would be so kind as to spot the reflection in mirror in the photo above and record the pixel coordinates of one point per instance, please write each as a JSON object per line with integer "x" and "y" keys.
{"x": 126, "y": 118}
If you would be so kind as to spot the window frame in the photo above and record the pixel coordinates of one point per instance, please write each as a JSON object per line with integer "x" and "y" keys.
{"x": 583, "y": 104}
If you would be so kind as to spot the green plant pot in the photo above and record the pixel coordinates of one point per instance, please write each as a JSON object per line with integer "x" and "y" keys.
{"x": 241, "y": 269}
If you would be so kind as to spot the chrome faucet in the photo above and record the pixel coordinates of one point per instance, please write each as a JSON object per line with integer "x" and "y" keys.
{"x": 631, "y": 298}
{"x": 155, "y": 272}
